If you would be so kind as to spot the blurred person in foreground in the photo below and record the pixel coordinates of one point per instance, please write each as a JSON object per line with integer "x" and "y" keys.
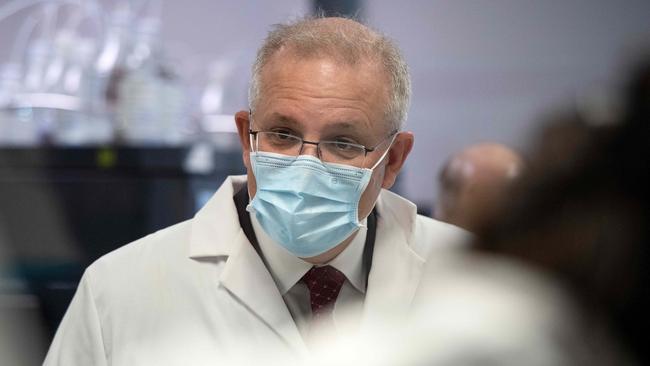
{"x": 310, "y": 239}
{"x": 557, "y": 277}
{"x": 584, "y": 215}
{"x": 473, "y": 182}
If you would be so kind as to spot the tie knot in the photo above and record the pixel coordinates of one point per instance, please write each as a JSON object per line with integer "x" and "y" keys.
{"x": 324, "y": 284}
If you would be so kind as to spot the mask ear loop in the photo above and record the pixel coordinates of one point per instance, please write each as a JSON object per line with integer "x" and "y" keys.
{"x": 250, "y": 128}
{"x": 385, "y": 152}
{"x": 250, "y": 139}
{"x": 253, "y": 148}
{"x": 365, "y": 226}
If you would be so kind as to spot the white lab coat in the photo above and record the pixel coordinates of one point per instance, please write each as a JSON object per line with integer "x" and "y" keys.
{"x": 197, "y": 292}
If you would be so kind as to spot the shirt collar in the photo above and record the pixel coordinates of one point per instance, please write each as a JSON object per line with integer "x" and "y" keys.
{"x": 288, "y": 269}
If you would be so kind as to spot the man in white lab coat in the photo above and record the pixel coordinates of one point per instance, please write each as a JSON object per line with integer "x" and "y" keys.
{"x": 309, "y": 241}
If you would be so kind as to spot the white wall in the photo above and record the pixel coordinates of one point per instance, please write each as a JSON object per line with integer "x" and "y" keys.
{"x": 484, "y": 70}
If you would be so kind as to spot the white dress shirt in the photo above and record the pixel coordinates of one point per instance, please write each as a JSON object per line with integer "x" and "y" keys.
{"x": 287, "y": 270}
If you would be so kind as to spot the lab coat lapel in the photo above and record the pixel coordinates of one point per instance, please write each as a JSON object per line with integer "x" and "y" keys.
{"x": 216, "y": 232}
{"x": 248, "y": 279}
{"x": 396, "y": 268}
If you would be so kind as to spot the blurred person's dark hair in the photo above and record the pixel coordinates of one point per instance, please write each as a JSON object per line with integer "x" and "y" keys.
{"x": 582, "y": 212}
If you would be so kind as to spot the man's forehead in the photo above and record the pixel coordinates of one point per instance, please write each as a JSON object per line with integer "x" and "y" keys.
{"x": 325, "y": 71}
{"x": 306, "y": 89}
{"x": 290, "y": 121}
{"x": 287, "y": 55}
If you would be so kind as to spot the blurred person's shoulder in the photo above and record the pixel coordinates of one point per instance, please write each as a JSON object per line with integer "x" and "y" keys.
{"x": 478, "y": 306}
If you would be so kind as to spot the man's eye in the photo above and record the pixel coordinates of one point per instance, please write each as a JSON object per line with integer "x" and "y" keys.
{"x": 284, "y": 131}
{"x": 343, "y": 145}
{"x": 277, "y": 137}
{"x": 344, "y": 148}
{"x": 283, "y": 137}
{"x": 344, "y": 142}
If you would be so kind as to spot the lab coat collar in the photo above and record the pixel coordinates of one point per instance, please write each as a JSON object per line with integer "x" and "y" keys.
{"x": 246, "y": 277}
{"x": 216, "y": 232}
{"x": 396, "y": 266}
{"x": 216, "y": 227}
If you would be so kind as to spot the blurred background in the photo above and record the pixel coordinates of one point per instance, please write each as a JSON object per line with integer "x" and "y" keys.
{"x": 116, "y": 116}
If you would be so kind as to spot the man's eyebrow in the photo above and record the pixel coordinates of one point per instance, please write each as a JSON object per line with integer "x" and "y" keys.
{"x": 345, "y": 125}
{"x": 280, "y": 118}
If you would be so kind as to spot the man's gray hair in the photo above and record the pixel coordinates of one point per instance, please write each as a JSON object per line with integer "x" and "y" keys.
{"x": 347, "y": 41}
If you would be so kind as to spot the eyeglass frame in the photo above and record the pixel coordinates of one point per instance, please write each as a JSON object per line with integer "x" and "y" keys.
{"x": 366, "y": 150}
{"x": 317, "y": 143}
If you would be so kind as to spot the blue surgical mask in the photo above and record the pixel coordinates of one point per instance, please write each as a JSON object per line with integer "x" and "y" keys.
{"x": 305, "y": 205}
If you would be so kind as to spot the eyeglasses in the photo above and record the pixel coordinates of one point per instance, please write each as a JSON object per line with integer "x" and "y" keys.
{"x": 338, "y": 152}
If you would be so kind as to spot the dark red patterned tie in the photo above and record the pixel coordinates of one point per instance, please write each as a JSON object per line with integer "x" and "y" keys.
{"x": 324, "y": 284}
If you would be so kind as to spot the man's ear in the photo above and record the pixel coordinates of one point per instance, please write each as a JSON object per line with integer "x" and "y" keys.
{"x": 242, "y": 119}
{"x": 396, "y": 157}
